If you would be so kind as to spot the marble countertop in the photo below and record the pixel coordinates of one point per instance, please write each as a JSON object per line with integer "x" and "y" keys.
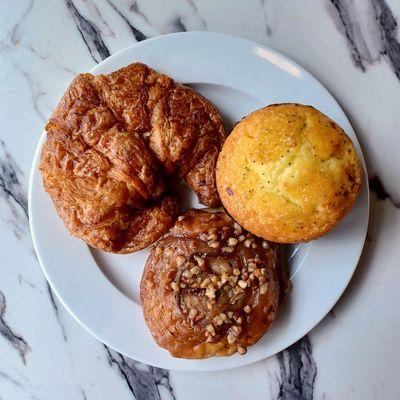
{"x": 351, "y": 46}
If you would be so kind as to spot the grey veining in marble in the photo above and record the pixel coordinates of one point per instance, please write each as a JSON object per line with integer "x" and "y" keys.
{"x": 298, "y": 372}
{"x": 56, "y": 312}
{"x": 9, "y": 378}
{"x": 134, "y": 7}
{"x": 370, "y": 30}
{"x": 144, "y": 381}
{"x": 12, "y": 194}
{"x": 16, "y": 340}
{"x": 139, "y": 36}
{"x": 10, "y": 186}
{"x": 12, "y": 38}
{"x": 376, "y": 186}
{"x": 90, "y": 34}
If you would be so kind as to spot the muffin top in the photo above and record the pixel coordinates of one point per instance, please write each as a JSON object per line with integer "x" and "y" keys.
{"x": 288, "y": 173}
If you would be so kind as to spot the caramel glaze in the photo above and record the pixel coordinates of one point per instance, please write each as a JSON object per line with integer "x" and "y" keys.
{"x": 210, "y": 288}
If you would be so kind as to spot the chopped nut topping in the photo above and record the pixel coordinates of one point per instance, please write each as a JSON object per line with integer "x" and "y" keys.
{"x": 236, "y": 271}
{"x": 200, "y": 261}
{"x": 233, "y": 280}
{"x": 168, "y": 252}
{"x": 263, "y": 271}
{"x": 187, "y": 274}
{"x": 227, "y": 249}
{"x": 242, "y": 284}
{"x": 214, "y": 245}
{"x": 195, "y": 270}
{"x": 262, "y": 279}
{"x": 235, "y": 298}
{"x": 213, "y": 237}
{"x": 254, "y": 245}
{"x": 264, "y": 288}
{"x": 236, "y": 329}
{"x": 210, "y": 330}
{"x": 239, "y": 320}
{"x": 241, "y": 238}
{"x": 158, "y": 251}
{"x": 220, "y": 319}
{"x": 224, "y": 277}
{"x": 251, "y": 269}
{"x": 218, "y": 265}
{"x": 233, "y": 333}
{"x": 230, "y": 314}
{"x": 247, "y": 243}
{"x": 237, "y": 227}
{"x": 237, "y": 290}
{"x": 270, "y": 316}
{"x": 210, "y": 292}
{"x": 247, "y": 309}
{"x": 231, "y": 338}
{"x": 175, "y": 286}
{"x": 209, "y": 306}
{"x": 265, "y": 244}
{"x": 192, "y": 313}
{"x": 180, "y": 218}
{"x": 205, "y": 283}
{"x": 180, "y": 260}
{"x": 251, "y": 276}
{"x": 232, "y": 242}
{"x": 182, "y": 285}
{"x": 214, "y": 279}
{"x": 242, "y": 350}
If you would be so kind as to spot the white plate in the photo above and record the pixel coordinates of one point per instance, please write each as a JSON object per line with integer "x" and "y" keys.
{"x": 102, "y": 290}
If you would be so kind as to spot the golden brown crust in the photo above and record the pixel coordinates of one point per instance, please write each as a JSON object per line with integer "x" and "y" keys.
{"x": 110, "y": 143}
{"x": 181, "y": 127}
{"x": 288, "y": 173}
{"x": 201, "y": 299}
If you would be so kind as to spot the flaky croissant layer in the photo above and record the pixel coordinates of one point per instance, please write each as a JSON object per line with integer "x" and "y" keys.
{"x": 111, "y": 144}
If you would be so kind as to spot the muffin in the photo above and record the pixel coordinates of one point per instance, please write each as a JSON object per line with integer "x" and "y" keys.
{"x": 288, "y": 173}
{"x": 219, "y": 287}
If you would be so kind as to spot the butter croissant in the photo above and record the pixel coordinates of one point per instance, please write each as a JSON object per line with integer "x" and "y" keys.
{"x": 111, "y": 145}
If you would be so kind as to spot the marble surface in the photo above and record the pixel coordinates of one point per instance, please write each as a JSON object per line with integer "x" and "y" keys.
{"x": 352, "y": 46}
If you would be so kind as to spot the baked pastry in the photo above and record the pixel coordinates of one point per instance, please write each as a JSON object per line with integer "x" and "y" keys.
{"x": 111, "y": 144}
{"x": 209, "y": 288}
{"x": 288, "y": 173}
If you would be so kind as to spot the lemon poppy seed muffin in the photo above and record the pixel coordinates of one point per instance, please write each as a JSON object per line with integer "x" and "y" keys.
{"x": 288, "y": 173}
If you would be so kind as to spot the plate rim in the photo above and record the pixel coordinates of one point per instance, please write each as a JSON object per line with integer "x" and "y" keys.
{"x": 199, "y": 365}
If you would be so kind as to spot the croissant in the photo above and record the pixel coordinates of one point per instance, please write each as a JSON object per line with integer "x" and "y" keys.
{"x": 209, "y": 288}
{"x": 111, "y": 145}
